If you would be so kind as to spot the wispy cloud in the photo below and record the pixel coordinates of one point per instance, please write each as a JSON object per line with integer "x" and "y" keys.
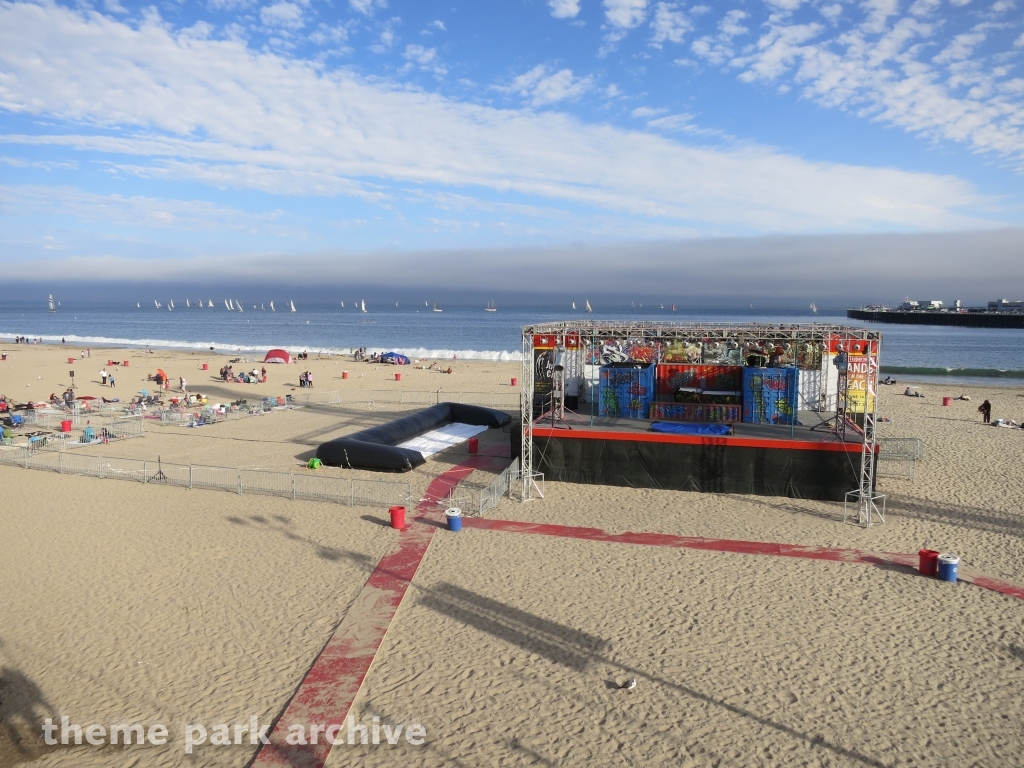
{"x": 231, "y": 117}
{"x": 564, "y": 9}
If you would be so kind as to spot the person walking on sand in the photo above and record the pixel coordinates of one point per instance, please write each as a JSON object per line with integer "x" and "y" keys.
{"x": 263, "y": 373}
{"x": 182, "y": 383}
{"x": 103, "y": 377}
{"x": 111, "y": 382}
{"x": 985, "y": 409}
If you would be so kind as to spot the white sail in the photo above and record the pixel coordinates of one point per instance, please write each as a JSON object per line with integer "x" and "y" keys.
{"x": 238, "y": 306}
{"x": 272, "y": 307}
{"x": 425, "y": 304}
{"x": 156, "y": 303}
{"x": 362, "y": 306}
{"x": 343, "y": 305}
{"x": 262, "y": 308}
{"x": 588, "y": 309}
{"x": 491, "y": 306}
{"x": 814, "y": 308}
{"x": 291, "y": 305}
{"x": 574, "y": 305}
{"x": 52, "y": 308}
{"x": 187, "y": 304}
{"x": 437, "y": 308}
{"x": 138, "y": 304}
{"x": 171, "y": 305}
{"x": 210, "y": 305}
{"x": 170, "y": 308}
{"x": 226, "y": 305}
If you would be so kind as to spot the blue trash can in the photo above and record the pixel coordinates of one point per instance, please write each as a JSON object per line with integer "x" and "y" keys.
{"x": 454, "y": 516}
{"x": 948, "y": 566}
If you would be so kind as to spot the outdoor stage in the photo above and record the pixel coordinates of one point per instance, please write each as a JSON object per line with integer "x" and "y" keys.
{"x": 759, "y": 459}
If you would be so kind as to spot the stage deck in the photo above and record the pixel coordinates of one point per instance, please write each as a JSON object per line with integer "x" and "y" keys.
{"x": 760, "y": 459}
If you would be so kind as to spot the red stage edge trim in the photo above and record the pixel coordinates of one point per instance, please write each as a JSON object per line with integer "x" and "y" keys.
{"x": 726, "y": 441}
{"x": 328, "y": 690}
{"x": 737, "y": 546}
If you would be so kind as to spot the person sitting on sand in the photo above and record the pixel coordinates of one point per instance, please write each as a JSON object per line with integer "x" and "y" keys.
{"x": 449, "y": 369}
{"x": 912, "y": 392}
{"x": 963, "y": 396}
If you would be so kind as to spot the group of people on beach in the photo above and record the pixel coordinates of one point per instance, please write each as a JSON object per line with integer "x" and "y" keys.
{"x": 306, "y": 379}
{"x": 227, "y": 374}
{"x": 25, "y": 340}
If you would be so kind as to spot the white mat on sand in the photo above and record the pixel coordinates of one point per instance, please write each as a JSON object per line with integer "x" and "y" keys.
{"x": 438, "y": 439}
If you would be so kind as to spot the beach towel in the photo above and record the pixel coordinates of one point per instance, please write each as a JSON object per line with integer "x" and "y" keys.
{"x": 691, "y": 429}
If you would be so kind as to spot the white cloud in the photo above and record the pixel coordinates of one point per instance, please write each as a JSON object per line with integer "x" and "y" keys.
{"x": 730, "y": 25}
{"x": 647, "y": 112}
{"x": 215, "y": 112}
{"x": 327, "y": 34}
{"x": 424, "y": 58}
{"x": 113, "y": 6}
{"x": 386, "y": 39}
{"x": 885, "y": 68}
{"x": 437, "y": 25}
{"x": 625, "y": 14}
{"x": 564, "y": 9}
{"x": 228, "y": 5}
{"x": 1019, "y": 42}
{"x": 541, "y": 88}
{"x": 367, "y": 7}
{"x": 282, "y": 14}
{"x": 669, "y": 24}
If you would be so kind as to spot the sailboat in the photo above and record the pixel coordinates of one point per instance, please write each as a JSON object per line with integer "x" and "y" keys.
{"x": 226, "y": 305}
{"x": 425, "y": 304}
{"x": 156, "y": 303}
{"x": 171, "y": 305}
{"x": 814, "y": 308}
{"x": 238, "y": 306}
{"x": 138, "y": 304}
{"x": 262, "y": 308}
{"x": 362, "y": 306}
{"x": 588, "y": 309}
{"x": 52, "y": 308}
{"x": 343, "y": 305}
{"x": 673, "y": 307}
{"x": 210, "y": 305}
{"x": 662, "y": 306}
{"x": 437, "y": 308}
{"x": 272, "y": 307}
{"x": 291, "y": 304}
{"x": 491, "y": 306}
{"x": 574, "y": 305}
{"x": 187, "y": 304}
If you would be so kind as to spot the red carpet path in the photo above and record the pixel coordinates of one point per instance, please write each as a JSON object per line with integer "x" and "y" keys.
{"x": 327, "y": 692}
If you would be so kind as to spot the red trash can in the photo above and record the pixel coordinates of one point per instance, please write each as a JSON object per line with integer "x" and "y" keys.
{"x": 929, "y": 562}
{"x": 206, "y": 366}
{"x": 947, "y": 401}
{"x": 474, "y": 445}
{"x": 515, "y": 382}
{"x": 71, "y": 361}
{"x": 344, "y": 374}
{"x": 398, "y": 377}
{"x": 125, "y": 363}
{"x": 65, "y": 426}
{"x": 397, "y": 518}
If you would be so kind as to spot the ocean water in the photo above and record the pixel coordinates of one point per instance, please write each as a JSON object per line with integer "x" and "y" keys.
{"x": 921, "y": 353}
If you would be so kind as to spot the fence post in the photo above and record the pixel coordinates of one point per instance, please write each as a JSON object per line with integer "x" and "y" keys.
{"x": 238, "y": 474}
{"x": 145, "y": 471}
{"x": 351, "y": 493}
{"x": 60, "y": 462}
{"x": 293, "y": 487}
{"x": 190, "y": 477}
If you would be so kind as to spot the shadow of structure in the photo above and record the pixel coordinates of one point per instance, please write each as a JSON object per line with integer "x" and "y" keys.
{"x": 22, "y": 711}
{"x": 324, "y": 552}
{"x": 960, "y": 515}
{"x": 557, "y": 642}
{"x": 576, "y": 650}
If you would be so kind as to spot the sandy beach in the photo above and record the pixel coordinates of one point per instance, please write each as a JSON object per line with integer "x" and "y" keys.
{"x": 133, "y": 603}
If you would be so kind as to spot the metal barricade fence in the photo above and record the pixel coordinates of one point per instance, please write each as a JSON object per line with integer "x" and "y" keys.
{"x": 264, "y": 482}
{"x": 491, "y": 495}
{"x": 898, "y": 456}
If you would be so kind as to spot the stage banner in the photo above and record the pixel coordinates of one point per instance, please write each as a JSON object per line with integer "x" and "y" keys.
{"x": 671, "y": 379}
{"x": 859, "y": 371}
{"x": 769, "y": 395}
{"x": 713, "y": 414}
{"x": 626, "y": 391}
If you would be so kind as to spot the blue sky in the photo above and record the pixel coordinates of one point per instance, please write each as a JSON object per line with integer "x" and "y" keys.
{"x": 235, "y": 132}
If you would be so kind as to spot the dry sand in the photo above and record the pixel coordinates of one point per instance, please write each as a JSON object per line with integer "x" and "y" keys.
{"x": 141, "y": 603}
